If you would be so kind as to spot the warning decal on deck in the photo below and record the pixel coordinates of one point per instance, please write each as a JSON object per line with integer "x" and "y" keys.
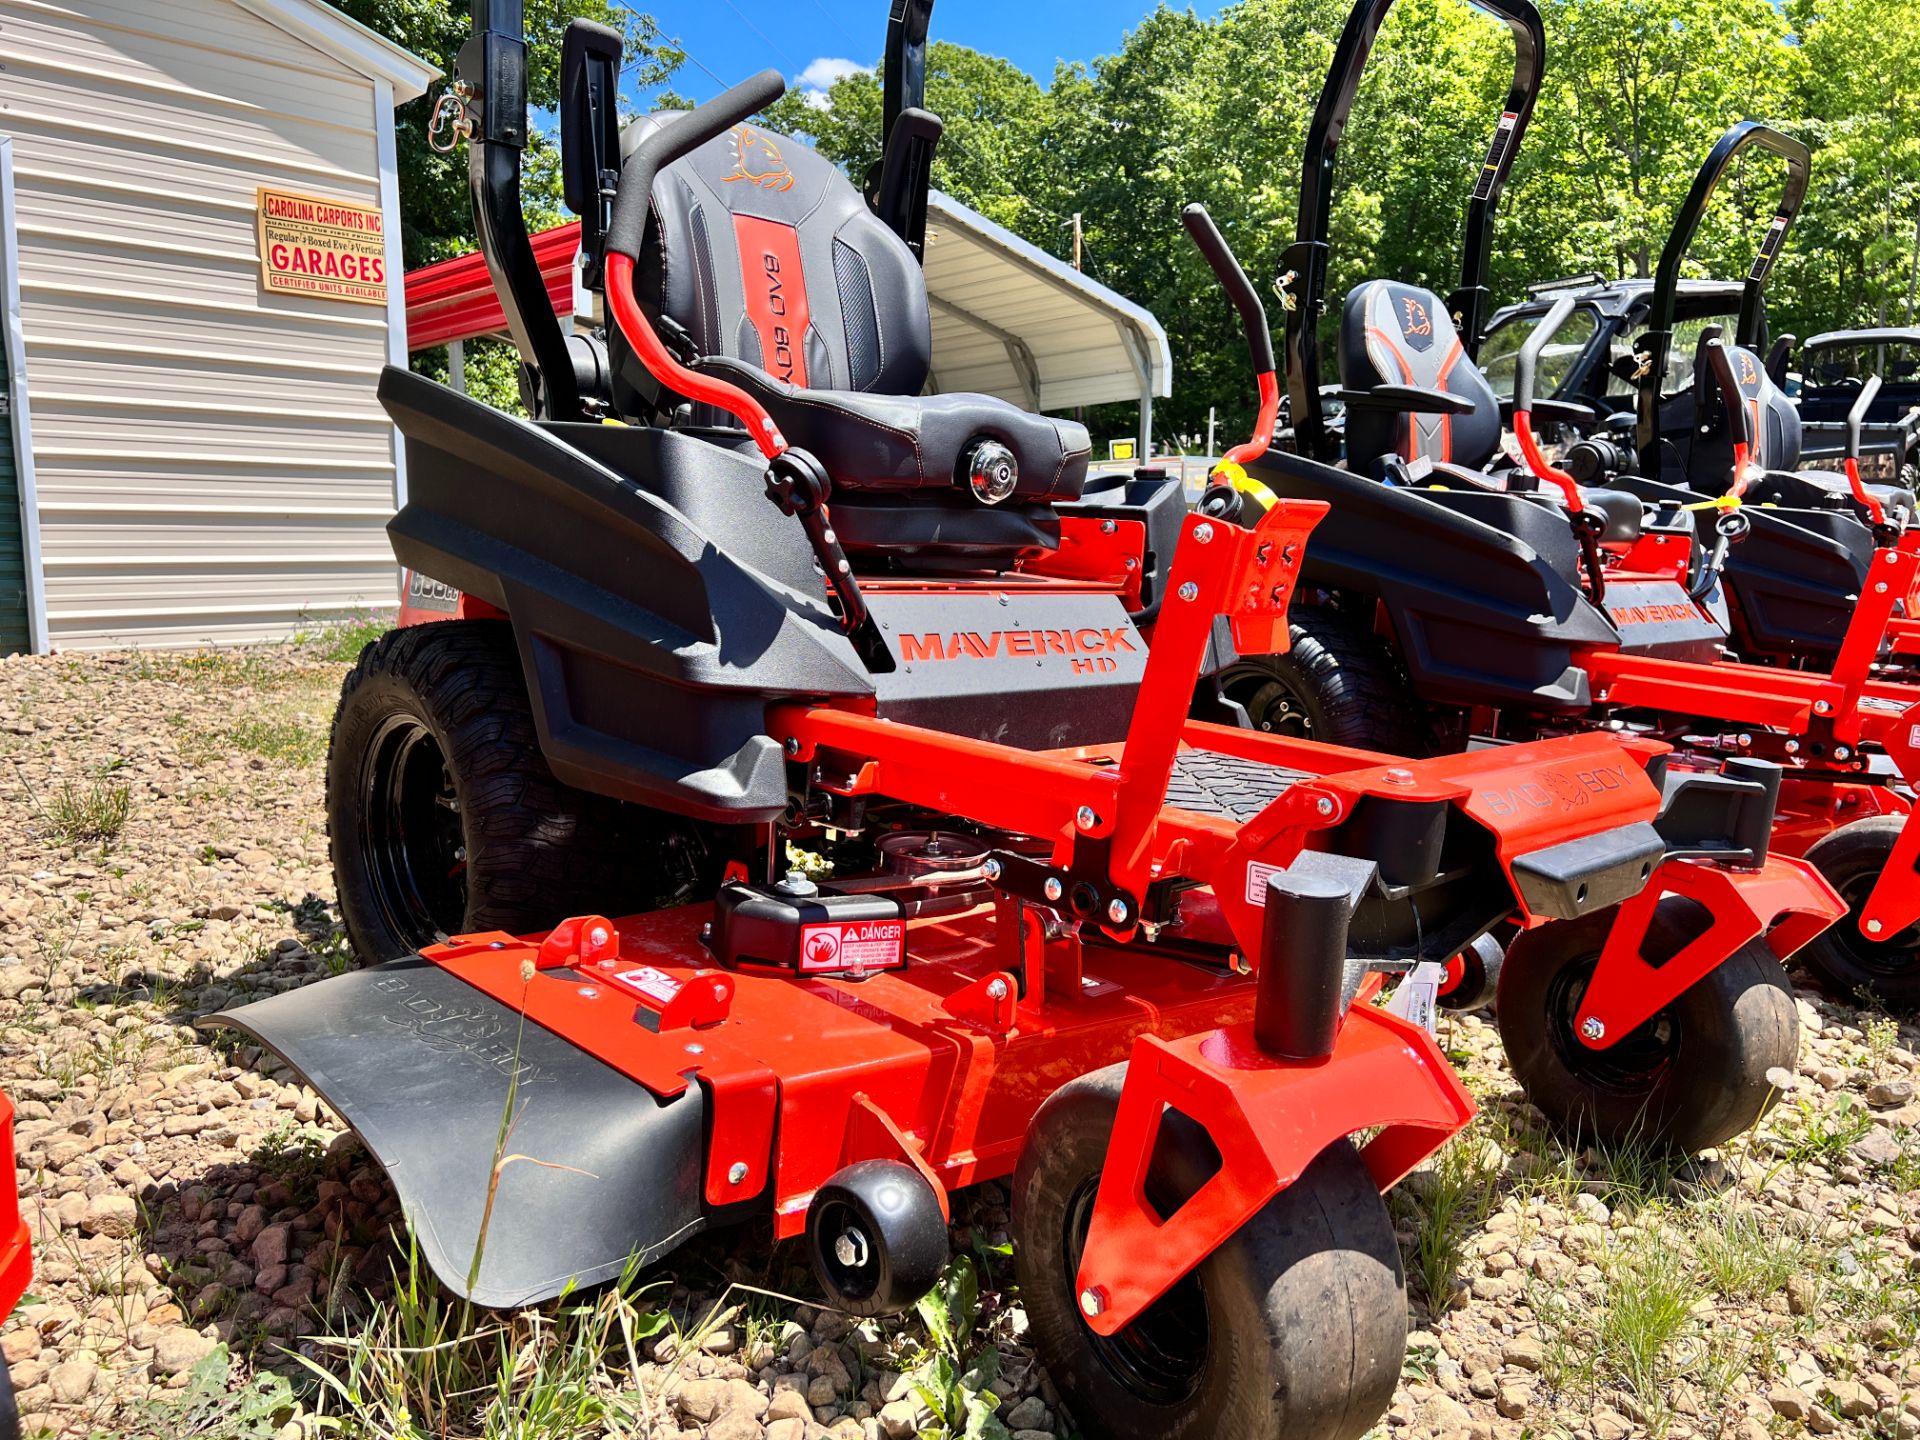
{"x": 859, "y": 946}
{"x": 1257, "y": 877}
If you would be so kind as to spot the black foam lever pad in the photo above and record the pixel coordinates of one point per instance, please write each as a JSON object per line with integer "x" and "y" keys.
{"x": 681, "y": 136}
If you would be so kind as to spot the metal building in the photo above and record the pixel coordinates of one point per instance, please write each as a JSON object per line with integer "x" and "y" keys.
{"x": 201, "y": 276}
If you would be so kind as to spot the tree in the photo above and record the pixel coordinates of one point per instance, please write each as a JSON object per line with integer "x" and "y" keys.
{"x": 436, "y": 213}
{"x": 434, "y": 209}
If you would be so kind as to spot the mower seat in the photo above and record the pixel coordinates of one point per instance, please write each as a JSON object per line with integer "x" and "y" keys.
{"x": 1707, "y": 459}
{"x": 763, "y": 266}
{"x": 1394, "y": 334}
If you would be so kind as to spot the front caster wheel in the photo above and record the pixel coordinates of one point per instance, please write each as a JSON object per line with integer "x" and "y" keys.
{"x": 1693, "y": 1076}
{"x": 876, "y": 1237}
{"x": 1845, "y": 960}
{"x": 1473, "y": 976}
{"x": 1295, "y": 1327}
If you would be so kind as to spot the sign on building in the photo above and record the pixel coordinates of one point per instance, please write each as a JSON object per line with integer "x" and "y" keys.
{"x": 310, "y": 245}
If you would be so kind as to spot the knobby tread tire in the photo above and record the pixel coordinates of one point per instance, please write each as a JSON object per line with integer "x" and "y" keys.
{"x": 537, "y": 850}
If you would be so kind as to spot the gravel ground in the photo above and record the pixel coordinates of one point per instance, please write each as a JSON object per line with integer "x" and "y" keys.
{"x": 197, "y": 1215}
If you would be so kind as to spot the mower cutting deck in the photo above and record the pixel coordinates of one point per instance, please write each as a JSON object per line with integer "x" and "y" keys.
{"x": 883, "y": 745}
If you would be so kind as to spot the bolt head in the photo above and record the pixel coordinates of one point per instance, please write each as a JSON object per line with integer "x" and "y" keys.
{"x": 696, "y": 1049}
{"x": 996, "y": 989}
{"x": 1874, "y": 927}
{"x": 1117, "y": 911}
{"x": 1085, "y": 817}
{"x": 1592, "y": 1029}
{"x": 1189, "y": 591}
{"x": 1093, "y": 1301}
{"x": 793, "y": 745}
{"x": 1107, "y": 527}
{"x": 1323, "y": 806}
{"x": 1399, "y": 777}
{"x": 1202, "y": 533}
{"x": 991, "y": 869}
{"x": 1823, "y": 707}
{"x": 851, "y": 1249}
{"x": 1880, "y": 588}
{"x": 1744, "y": 740}
{"x": 737, "y": 1173}
{"x": 1842, "y": 752}
{"x": 1793, "y": 747}
{"x": 1053, "y": 889}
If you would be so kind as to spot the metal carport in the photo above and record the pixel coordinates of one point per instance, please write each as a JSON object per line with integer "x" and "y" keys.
{"x": 1008, "y": 319}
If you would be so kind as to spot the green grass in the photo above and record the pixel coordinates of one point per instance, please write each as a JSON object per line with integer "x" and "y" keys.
{"x": 342, "y": 643}
{"x": 1451, "y": 1200}
{"x": 80, "y": 815}
{"x": 290, "y": 741}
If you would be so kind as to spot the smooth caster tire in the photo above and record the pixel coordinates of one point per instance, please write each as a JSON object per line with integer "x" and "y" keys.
{"x": 1693, "y": 1076}
{"x": 876, "y": 1237}
{"x": 1844, "y": 959}
{"x": 1296, "y": 1327}
{"x": 1478, "y": 979}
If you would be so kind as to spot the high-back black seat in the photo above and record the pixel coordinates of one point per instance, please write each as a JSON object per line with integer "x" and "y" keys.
{"x": 1393, "y": 334}
{"x": 1705, "y": 460}
{"x": 764, "y": 266}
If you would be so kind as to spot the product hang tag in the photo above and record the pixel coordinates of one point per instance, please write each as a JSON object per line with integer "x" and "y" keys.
{"x": 1418, "y": 996}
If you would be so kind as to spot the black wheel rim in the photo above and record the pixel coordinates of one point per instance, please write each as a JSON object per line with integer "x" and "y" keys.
{"x": 1273, "y": 704}
{"x": 411, "y": 833}
{"x": 1161, "y": 1356}
{"x": 1631, "y": 1067}
{"x": 854, "y": 1281}
{"x": 1895, "y": 957}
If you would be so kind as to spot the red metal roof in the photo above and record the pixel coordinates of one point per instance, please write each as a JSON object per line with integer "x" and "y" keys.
{"x": 455, "y": 299}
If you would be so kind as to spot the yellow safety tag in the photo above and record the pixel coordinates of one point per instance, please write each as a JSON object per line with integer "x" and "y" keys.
{"x": 1236, "y": 476}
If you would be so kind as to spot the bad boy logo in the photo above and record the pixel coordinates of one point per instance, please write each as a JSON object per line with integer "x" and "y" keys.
{"x": 1416, "y": 323}
{"x": 758, "y": 161}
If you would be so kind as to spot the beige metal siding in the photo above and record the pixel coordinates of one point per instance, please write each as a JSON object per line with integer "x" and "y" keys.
{"x": 212, "y": 461}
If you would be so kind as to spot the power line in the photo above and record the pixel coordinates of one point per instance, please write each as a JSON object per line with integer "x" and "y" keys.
{"x": 788, "y": 59}
{"x": 834, "y": 20}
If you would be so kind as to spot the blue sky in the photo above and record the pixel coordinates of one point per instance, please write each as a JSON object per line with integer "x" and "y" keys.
{"x": 811, "y": 41}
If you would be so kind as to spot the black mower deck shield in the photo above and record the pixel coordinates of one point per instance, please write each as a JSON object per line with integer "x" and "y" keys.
{"x": 419, "y": 1064}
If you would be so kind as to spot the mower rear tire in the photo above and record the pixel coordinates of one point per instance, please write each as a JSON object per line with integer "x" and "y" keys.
{"x": 1842, "y": 958}
{"x": 1338, "y": 684}
{"x": 1693, "y": 1076}
{"x": 1295, "y": 1327}
{"x": 442, "y": 815}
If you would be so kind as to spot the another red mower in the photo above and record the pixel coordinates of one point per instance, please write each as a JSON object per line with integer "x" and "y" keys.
{"x": 870, "y": 718}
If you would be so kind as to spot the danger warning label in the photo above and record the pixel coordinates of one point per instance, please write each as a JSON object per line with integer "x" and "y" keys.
{"x": 859, "y": 946}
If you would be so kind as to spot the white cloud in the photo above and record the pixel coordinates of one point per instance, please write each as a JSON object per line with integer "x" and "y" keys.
{"x": 817, "y": 78}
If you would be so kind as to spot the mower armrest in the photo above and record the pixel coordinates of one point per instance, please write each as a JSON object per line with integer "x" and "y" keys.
{"x": 1557, "y": 412}
{"x": 1407, "y": 399}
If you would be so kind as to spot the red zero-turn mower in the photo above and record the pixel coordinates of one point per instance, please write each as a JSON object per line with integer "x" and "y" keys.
{"x": 886, "y": 716}
{"x": 1451, "y": 598}
{"x": 16, "y": 1261}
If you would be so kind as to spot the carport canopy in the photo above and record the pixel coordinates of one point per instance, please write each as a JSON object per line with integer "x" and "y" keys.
{"x": 1008, "y": 319}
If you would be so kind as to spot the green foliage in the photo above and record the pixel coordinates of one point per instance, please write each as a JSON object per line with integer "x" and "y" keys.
{"x": 433, "y": 187}
{"x": 950, "y": 1382}
{"x": 1637, "y": 91}
{"x": 208, "y": 1409}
